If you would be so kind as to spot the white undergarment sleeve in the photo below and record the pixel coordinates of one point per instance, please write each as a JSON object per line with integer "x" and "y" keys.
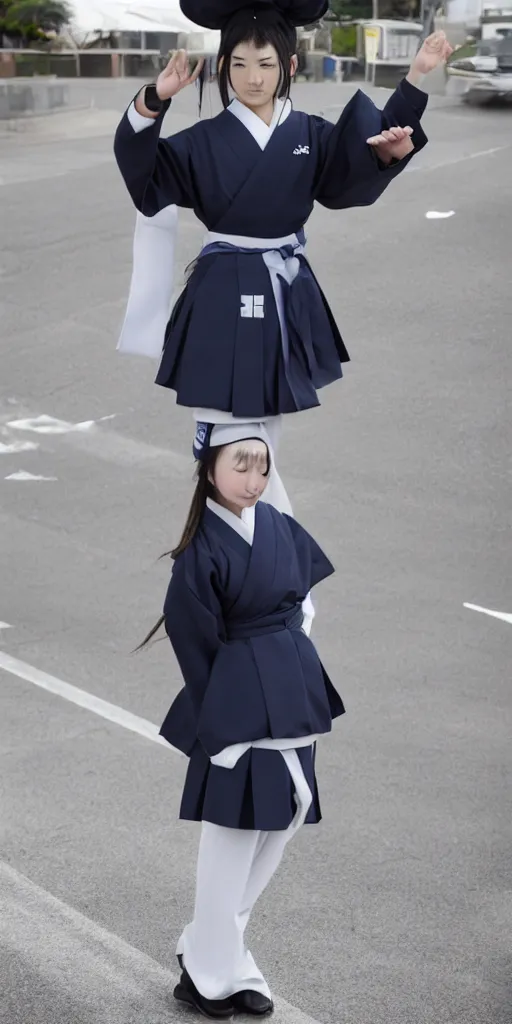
{"x": 138, "y": 121}
{"x": 308, "y": 612}
{"x": 152, "y": 284}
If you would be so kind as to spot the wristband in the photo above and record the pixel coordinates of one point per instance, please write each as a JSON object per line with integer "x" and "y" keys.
{"x": 152, "y": 100}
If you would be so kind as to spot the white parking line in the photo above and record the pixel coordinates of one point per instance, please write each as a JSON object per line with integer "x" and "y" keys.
{"x": 23, "y": 475}
{"x": 49, "y": 425}
{"x": 107, "y": 445}
{"x": 504, "y": 616}
{"x": 98, "y": 964}
{"x": 89, "y": 964}
{"x": 17, "y": 446}
{"x": 83, "y": 699}
{"x": 419, "y": 168}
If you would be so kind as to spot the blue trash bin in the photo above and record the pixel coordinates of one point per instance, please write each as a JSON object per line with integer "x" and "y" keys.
{"x": 329, "y": 68}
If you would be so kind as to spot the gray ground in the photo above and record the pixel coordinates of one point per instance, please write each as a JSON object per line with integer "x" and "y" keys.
{"x": 398, "y": 908}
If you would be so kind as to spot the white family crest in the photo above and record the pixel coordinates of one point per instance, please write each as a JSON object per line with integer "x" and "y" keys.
{"x": 301, "y": 149}
{"x": 252, "y": 306}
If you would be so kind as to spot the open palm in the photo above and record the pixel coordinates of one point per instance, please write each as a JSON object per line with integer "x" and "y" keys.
{"x": 176, "y": 76}
{"x": 435, "y": 51}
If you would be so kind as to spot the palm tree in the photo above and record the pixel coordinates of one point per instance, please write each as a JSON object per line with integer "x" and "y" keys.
{"x": 43, "y": 15}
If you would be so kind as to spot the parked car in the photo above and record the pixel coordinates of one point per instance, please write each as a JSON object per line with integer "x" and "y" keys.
{"x": 487, "y": 72}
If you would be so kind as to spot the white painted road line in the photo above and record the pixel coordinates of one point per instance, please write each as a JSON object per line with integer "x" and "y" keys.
{"x": 419, "y": 168}
{"x": 92, "y": 966}
{"x": 504, "y": 616}
{"x": 49, "y": 425}
{"x": 439, "y": 215}
{"x": 17, "y": 446}
{"x": 107, "y": 445}
{"x": 84, "y": 700}
{"x": 21, "y": 474}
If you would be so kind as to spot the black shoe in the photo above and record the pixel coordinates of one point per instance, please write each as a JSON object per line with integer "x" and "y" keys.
{"x": 215, "y": 1009}
{"x": 252, "y": 1002}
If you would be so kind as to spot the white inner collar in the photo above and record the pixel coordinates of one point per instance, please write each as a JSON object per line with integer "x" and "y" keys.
{"x": 244, "y": 525}
{"x": 260, "y": 131}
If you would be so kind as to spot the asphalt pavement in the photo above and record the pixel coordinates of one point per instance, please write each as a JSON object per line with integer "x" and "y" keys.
{"x": 397, "y": 909}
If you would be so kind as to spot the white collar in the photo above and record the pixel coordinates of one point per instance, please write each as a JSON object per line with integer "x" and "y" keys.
{"x": 260, "y": 131}
{"x": 243, "y": 525}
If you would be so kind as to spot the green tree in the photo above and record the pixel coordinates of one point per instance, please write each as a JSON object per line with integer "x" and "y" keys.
{"x": 344, "y": 40}
{"x": 345, "y": 10}
{"x": 348, "y": 10}
{"x": 32, "y": 19}
{"x": 402, "y": 9}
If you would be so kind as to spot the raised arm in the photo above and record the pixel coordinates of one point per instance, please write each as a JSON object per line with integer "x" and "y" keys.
{"x": 368, "y": 148}
{"x": 156, "y": 170}
{"x": 353, "y": 170}
{"x": 394, "y": 144}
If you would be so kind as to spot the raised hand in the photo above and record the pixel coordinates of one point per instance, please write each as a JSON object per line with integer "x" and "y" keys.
{"x": 392, "y": 144}
{"x": 176, "y": 76}
{"x": 435, "y": 51}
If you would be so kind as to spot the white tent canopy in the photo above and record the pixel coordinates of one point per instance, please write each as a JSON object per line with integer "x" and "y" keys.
{"x": 90, "y": 16}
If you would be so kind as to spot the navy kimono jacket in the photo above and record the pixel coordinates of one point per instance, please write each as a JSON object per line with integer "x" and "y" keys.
{"x": 217, "y": 353}
{"x": 233, "y": 614}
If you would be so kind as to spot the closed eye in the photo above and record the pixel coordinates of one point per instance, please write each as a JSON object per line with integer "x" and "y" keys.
{"x": 262, "y": 469}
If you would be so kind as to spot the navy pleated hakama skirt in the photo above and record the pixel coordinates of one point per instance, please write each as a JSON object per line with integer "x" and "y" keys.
{"x": 258, "y": 793}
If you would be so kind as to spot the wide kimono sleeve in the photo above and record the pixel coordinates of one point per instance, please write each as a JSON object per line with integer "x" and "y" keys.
{"x": 350, "y": 173}
{"x": 156, "y": 171}
{"x": 195, "y": 627}
{"x": 193, "y": 621}
{"x": 314, "y": 564}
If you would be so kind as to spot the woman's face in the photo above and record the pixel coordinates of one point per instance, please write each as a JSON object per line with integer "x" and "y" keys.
{"x": 254, "y": 74}
{"x": 241, "y": 474}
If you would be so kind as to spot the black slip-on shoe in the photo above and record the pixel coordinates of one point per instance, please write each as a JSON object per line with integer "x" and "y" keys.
{"x": 252, "y": 1002}
{"x": 214, "y": 1009}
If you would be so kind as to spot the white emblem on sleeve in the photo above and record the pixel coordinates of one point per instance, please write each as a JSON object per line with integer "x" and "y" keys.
{"x": 252, "y": 306}
{"x": 301, "y": 149}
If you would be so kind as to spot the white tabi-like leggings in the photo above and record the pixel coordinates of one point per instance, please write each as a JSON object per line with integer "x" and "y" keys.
{"x": 234, "y": 867}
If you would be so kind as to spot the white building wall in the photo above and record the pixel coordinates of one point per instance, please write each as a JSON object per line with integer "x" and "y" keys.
{"x": 468, "y": 11}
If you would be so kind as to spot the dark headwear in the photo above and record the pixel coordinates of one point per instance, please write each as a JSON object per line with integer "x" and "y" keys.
{"x": 216, "y": 14}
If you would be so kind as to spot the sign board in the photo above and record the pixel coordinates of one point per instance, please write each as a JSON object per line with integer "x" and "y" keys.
{"x": 371, "y": 43}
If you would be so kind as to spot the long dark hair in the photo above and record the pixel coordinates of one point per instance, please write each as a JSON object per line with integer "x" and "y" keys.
{"x": 203, "y": 490}
{"x": 269, "y": 29}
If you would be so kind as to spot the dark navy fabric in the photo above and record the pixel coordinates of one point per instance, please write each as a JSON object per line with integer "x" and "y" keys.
{"x": 212, "y": 356}
{"x": 258, "y": 793}
{"x": 233, "y": 615}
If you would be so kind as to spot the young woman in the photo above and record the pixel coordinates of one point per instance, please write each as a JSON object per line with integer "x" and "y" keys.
{"x": 252, "y": 334}
{"x": 255, "y": 700}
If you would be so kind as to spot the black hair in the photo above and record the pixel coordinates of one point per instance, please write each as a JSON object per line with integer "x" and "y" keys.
{"x": 204, "y": 489}
{"x": 266, "y": 29}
